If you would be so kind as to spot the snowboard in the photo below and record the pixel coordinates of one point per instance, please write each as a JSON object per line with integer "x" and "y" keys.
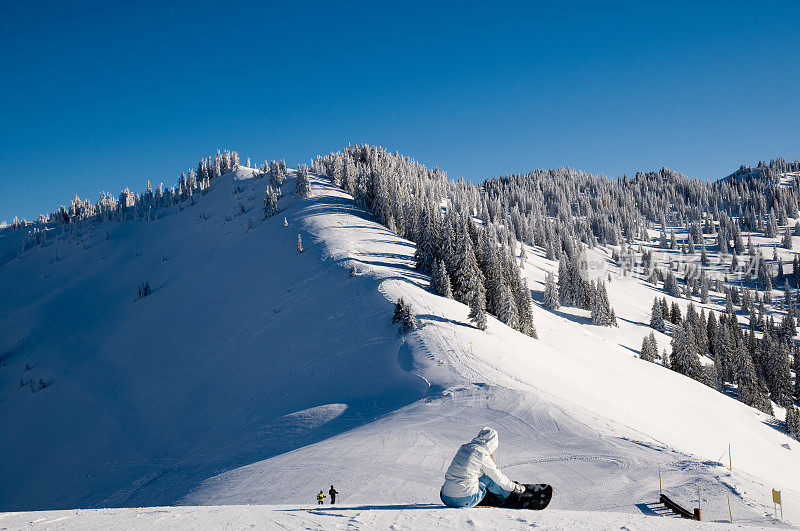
{"x": 536, "y": 496}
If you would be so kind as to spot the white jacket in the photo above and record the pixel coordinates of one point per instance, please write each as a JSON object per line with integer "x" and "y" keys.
{"x": 473, "y": 460}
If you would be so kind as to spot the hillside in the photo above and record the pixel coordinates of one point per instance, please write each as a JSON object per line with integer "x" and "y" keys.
{"x": 244, "y": 350}
{"x": 255, "y": 374}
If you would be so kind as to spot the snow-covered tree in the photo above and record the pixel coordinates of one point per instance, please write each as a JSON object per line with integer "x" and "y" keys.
{"x": 551, "y": 300}
{"x": 270, "y": 203}
{"x": 649, "y": 350}
{"x": 302, "y": 187}
{"x": 793, "y": 422}
{"x": 440, "y": 280}
{"x": 657, "y": 317}
{"x": 601, "y": 311}
{"x": 685, "y": 357}
{"x": 403, "y": 315}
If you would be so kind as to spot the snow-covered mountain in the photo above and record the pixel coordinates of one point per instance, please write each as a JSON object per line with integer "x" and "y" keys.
{"x": 252, "y": 373}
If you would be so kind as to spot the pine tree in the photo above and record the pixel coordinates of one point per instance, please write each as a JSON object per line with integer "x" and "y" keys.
{"x": 793, "y": 422}
{"x": 507, "y": 310}
{"x": 551, "y": 293}
{"x": 601, "y": 312}
{"x": 440, "y": 280}
{"x": 704, "y": 284}
{"x": 427, "y": 252}
{"x": 779, "y": 379}
{"x": 750, "y": 391}
{"x": 403, "y": 315}
{"x": 492, "y": 269}
{"x": 466, "y": 273}
{"x": 468, "y": 280}
{"x": 685, "y": 357}
{"x": 649, "y": 350}
{"x": 399, "y": 309}
{"x": 270, "y": 203}
{"x": 477, "y": 307}
{"x": 302, "y": 187}
{"x": 656, "y": 317}
{"x": 675, "y": 314}
{"x": 566, "y": 291}
{"x": 523, "y": 299}
{"x": 671, "y": 285}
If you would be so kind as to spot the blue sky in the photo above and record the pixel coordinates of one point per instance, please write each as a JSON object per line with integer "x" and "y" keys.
{"x": 96, "y": 96}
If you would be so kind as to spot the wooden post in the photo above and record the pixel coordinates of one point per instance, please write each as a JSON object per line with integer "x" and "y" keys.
{"x": 730, "y": 459}
{"x": 659, "y": 479}
{"x": 697, "y": 513}
{"x": 730, "y": 513}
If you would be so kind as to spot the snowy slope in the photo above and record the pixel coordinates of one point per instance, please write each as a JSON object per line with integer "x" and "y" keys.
{"x": 248, "y": 353}
{"x": 415, "y": 516}
{"x": 245, "y": 349}
{"x": 575, "y": 408}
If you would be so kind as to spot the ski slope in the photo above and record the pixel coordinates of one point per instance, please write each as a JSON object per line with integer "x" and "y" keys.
{"x": 412, "y": 516}
{"x": 255, "y": 374}
{"x": 245, "y": 349}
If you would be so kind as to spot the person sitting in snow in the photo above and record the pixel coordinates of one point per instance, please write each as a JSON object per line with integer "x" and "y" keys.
{"x": 474, "y": 479}
{"x": 320, "y": 498}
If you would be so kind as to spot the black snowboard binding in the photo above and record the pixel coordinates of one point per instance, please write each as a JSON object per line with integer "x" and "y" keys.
{"x": 536, "y": 496}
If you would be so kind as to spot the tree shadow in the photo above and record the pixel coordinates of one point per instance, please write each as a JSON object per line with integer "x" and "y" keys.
{"x": 775, "y": 424}
{"x": 574, "y": 318}
{"x": 633, "y": 322}
{"x": 406, "y": 272}
{"x": 440, "y": 319}
{"x": 629, "y": 348}
{"x": 395, "y": 242}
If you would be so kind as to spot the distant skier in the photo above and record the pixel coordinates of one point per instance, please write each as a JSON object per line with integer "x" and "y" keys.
{"x": 473, "y": 477}
{"x": 333, "y": 494}
{"x": 320, "y": 498}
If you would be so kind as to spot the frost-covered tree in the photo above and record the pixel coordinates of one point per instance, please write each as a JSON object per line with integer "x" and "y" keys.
{"x": 270, "y": 203}
{"x": 524, "y": 303}
{"x": 776, "y": 371}
{"x": 507, "y": 311}
{"x": 657, "y": 317}
{"x": 671, "y": 285}
{"x": 601, "y": 312}
{"x": 565, "y": 288}
{"x": 302, "y": 187}
{"x": 685, "y": 358}
{"x": 477, "y": 307}
{"x": 277, "y": 173}
{"x": 299, "y": 243}
{"x": 403, "y": 315}
{"x": 551, "y": 293}
{"x": 649, "y": 350}
{"x": 793, "y": 422}
{"x": 440, "y": 280}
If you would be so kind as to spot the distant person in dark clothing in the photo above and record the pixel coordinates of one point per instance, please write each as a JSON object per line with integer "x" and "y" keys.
{"x": 333, "y": 494}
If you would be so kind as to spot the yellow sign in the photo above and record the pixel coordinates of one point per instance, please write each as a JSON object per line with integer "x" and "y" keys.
{"x": 776, "y": 496}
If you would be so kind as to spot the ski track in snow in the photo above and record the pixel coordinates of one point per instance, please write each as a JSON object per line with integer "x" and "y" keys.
{"x": 574, "y": 409}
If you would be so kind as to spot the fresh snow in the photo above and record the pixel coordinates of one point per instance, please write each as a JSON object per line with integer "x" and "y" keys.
{"x": 257, "y": 375}
{"x": 414, "y": 516}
